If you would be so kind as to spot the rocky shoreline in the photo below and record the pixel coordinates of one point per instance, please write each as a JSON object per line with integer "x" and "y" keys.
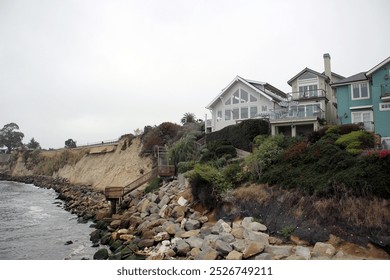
{"x": 166, "y": 224}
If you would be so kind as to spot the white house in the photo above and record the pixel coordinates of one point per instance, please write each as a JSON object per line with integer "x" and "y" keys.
{"x": 243, "y": 99}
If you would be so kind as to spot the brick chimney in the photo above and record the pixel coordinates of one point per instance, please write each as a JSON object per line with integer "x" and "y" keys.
{"x": 328, "y": 71}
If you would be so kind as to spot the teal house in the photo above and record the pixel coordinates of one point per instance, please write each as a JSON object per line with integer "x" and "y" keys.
{"x": 365, "y": 98}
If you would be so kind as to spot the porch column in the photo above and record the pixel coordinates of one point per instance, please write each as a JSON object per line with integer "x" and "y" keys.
{"x": 293, "y": 130}
{"x": 273, "y": 130}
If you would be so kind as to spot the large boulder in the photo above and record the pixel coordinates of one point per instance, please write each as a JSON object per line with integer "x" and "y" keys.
{"x": 323, "y": 250}
{"x": 101, "y": 254}
{"x": 252, "y": 248}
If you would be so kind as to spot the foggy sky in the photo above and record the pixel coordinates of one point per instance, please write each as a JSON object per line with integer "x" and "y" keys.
{"x": 95, "y": 70}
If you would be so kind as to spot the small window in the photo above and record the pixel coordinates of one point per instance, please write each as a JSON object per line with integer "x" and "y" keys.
{"x": 219, "y": 115}
{"x": 264, "y": 108}
{"x": 384, "y": 106}
{"x": 228, "y": 102}
{"x": 253, "y": 112}
{"x": 228, "y": 115}
{"x": 236, "y": 113}
{"x": 244, "y": 112}
{"x": 360, "y": 91}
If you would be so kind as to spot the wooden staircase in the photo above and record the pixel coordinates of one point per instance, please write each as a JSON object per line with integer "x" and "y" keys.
{"x": 115, "y": 194}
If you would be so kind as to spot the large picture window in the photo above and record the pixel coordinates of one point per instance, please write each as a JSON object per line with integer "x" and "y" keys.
{"x": 359, "y": 91}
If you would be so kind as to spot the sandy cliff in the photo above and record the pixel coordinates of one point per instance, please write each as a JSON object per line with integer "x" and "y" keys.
{"x": 113, "y": 168}
{"x": 115, "y": 165}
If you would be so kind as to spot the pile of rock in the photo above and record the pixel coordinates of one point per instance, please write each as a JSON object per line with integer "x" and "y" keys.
{"x": 164, "y": 226}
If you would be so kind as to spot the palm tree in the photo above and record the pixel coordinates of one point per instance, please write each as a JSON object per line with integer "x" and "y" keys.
{"x": 188, "y": 118}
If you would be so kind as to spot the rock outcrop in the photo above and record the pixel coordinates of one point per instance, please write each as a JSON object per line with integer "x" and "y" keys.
{"x": 165, "y": 225}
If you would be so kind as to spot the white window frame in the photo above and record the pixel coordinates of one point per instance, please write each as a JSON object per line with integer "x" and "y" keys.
{"x": 387, "y": 108}
{"x": 247, "y": 113}
{"x": 360, "y": 91}
{"x": 353, "y": 119}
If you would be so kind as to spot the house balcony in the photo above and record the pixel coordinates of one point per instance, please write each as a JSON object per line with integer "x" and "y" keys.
{"x": 309, "y": 94}
{"x": 297, "y": 113}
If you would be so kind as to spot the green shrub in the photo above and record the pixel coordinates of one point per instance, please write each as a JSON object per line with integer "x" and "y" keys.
{"x": 206, "y": 184}
{"x": 235, "y": 174}
{"x": 355, "y": 141}
{"x": 225, "y": 150}
{"x": 153, "y": 185}
{"x": 265, "y": 155}
{"x": 184, "y": 166}
{"x": 184, "y": 150}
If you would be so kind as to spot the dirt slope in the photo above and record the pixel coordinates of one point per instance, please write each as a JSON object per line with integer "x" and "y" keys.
{"x": 117, "y": 168}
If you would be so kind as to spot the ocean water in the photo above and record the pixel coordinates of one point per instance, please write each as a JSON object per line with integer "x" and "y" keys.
{"x": 34, "y": 226}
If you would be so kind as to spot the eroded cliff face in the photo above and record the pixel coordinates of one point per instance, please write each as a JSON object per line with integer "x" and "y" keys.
{"x": 99, "y": 166}
{"x": 100, "y": 169}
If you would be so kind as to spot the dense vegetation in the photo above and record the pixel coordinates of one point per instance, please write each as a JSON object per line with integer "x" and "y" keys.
{"x": 241, "y": 135}
{"x": 333, "y": 162}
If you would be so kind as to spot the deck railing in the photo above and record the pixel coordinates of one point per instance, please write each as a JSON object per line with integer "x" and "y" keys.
{"x": 297, "y": 112}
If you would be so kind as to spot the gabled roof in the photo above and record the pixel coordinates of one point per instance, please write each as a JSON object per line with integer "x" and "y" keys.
{"x": 306, "y": 70}
{"x": 377, "y": 67}
{"x": 264, "y": 89}
{"x": 335, "y": 75}
{"x": 354, "y": 78}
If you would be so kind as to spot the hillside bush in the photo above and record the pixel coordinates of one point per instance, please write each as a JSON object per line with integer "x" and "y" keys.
{"x": 184, "y": 150}
{"x": 241, "y": 135}
{"x": 355, "y": 141}
{"x": 206, "y": 185}
{"x": 164, "y": 134}
{"x": 153, "y": 185}
{"x": 265, "y": 154}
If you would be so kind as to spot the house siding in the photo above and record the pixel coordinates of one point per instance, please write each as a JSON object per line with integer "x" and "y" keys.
{"x": 381, "y": 118}
{"x": 345, "y": 102}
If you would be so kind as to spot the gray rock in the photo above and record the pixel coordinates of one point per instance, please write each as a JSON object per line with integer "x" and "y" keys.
{"x": 182, "y": 248}
{"x": 194, "y": 242}
{"x": 196, "y": 215}
{"x": 227, "y": 237}
{"x": 255, "y": 226}
{"x": 256, "y": 236}
{"x": 263, "y": 256}
{"x": 223, "y": 247}
{"x": 279, "y": 251}
{"x": 153, "y": 208}
{"x": 221, "y": 226}
{"x": 246, "y": 222}
{"x": 164, "y": 201}
{"x": 239, "y": 245}
{"x": 303, "y": 252}
{"x": 192, "y": 224}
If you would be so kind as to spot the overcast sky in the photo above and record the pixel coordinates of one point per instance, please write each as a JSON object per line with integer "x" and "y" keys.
{"x": 94, "y": 70}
